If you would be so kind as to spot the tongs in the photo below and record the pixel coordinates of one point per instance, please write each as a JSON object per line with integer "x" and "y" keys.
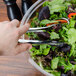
{"x": 49, "y": 42}
{"x": 41, "y": 29}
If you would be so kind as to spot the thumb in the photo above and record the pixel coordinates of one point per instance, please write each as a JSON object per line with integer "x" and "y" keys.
{"x": 23, "y": 47}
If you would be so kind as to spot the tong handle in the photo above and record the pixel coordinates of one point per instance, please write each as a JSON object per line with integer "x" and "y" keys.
{"x": 40, "y": 28}
{"x": 53, "y": 43}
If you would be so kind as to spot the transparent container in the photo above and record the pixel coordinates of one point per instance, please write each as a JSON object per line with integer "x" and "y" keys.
{"x": 27, "y": 17}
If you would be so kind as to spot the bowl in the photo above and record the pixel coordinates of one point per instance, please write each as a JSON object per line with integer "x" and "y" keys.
{"x": 30, "y": 14}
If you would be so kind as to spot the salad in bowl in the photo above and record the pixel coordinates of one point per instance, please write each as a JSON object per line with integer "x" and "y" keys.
{"x": 56, "y": 60}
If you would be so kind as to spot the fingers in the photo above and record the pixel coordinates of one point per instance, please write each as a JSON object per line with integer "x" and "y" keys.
{"x": 5, "y": 22}
{"x": 14, "y": 23}
{"x": 23, "y": 29}
{"x": 23, "y": 47}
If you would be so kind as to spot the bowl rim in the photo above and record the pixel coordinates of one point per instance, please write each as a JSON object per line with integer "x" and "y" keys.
{"x": 38, "y": 67}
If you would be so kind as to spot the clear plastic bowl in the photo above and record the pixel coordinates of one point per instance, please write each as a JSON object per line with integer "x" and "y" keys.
{"x": 35, "y": 7}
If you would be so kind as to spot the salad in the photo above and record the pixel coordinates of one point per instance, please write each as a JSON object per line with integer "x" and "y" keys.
{"x": 58, "y": 60}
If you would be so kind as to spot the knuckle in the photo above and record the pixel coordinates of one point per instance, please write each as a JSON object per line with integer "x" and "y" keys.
{"x": 10, "y": 24}
{"x": 16, "y": 20}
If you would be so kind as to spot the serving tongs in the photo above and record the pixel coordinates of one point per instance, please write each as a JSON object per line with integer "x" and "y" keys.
{"x": 49, "y": 42}
{"x": 41, "y": 29}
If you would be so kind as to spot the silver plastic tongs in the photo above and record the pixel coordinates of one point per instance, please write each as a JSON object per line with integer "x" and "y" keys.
{"x": 52, "y": 43}
{"x": 41, "y": 29}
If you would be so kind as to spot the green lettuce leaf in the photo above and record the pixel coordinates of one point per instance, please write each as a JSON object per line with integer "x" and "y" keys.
{"x": 44, "y": 22}
{"x": 46, "y": 51}
{"x": 55, "y": 2}
{"x": 71, "y": 33}
{"x": 57, "y": 5}
{"x": 54, "y": 35}
{"x": 56, "y": 8}
{"x": 56, "y": 73}
{"x": 54, "y": 63}
{"x": 67, "y": 65}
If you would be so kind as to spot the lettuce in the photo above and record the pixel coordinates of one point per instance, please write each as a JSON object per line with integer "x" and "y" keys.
{"x": 43, "y": 50}
{"x": 66, "y": 34}
{"x": 55, "y": 73}
{"x": 72, "y": 23}
{"x": 56, "y": 8}
{"x": 72, "y": 1}
{"x": 55, "y": 2}
{"x": 54, "y": 63}
{"x": 71, "y": 34}
{"x": 67, "y": 65}
{"x": 54, "y": 35}
{"x": 56, "y": 5}
{"x": 46, "y": 51}
{"x": 45, "y": 21}
{"x": 73, "y": 50}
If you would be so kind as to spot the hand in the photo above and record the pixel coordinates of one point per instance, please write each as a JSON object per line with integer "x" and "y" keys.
{"x": 10, "y": 32}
